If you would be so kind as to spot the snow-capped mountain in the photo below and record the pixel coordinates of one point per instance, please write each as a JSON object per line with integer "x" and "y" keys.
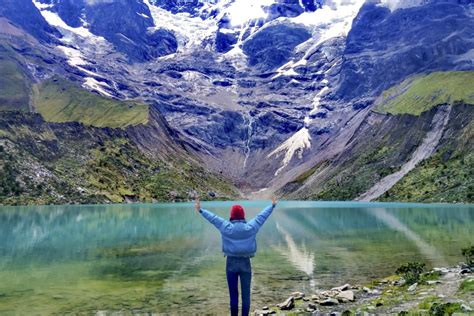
{"x": 269, "y": 87}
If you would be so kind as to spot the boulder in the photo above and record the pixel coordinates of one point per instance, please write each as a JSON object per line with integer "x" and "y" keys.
{"x": 298, "y": 295}
{"x": 345, "y": 296}
{"x": 288, "y": 304}
{"x": 317, "y": 297}
{"x": 342, "y": 287}
{"x": 330, "y": 293}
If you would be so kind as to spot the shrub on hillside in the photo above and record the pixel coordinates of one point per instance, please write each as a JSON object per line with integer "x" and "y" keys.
{"x": 411, "y": 271}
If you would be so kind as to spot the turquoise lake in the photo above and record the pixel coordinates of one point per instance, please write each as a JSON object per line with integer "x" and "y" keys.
{"x": 166, "y": 258}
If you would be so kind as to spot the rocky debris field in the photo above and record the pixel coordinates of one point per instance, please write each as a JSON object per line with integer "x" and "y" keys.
{"x": 440, "y": 291}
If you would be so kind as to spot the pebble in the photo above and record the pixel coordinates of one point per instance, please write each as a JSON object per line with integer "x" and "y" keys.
{"x": 466, "y": 308}
{"x": 441, "y": 270}
{"x": 412, "y": 287}
{"x": 433, "y": 282}
{"x": 264, "y": 312}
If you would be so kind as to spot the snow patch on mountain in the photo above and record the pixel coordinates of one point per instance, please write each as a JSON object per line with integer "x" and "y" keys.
{"x": 190, "y": 31}
{"x": 94, "y": 2}
{"x": 94, "y": 85}
{"x": 333, "y": 19}
{"x": 68, "y": 32}
{"x": 401, "y": 4}
{"x": 242, "y": 11}
{"x": 296, "y": 144}
{"x": 74, "y": 56}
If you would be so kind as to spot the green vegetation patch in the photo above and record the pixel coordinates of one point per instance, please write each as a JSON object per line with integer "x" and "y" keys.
{"x": 59, "y": 100}
{"x": 419, "y": 94}
{"x": 467, "y": 286}
{"x": 14, "y": 90}
{"x": 437, "y": 180}
{"x": 411, "y": 271}
{"x": 443, "y": 309}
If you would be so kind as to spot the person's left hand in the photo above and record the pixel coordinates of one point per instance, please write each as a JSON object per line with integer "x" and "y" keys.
{"x": 197, "y": 204}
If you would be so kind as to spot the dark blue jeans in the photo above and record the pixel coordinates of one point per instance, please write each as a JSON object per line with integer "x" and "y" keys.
{"x": 237, "y": 267}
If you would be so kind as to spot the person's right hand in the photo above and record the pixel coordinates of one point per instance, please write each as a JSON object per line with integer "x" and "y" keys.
{"x": 197, "y": 204}
{"x": 274, "y": 200}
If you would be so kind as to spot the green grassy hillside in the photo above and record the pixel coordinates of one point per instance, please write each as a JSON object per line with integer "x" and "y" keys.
{"x": 448, "y": 175}
{"x": 59, "y": 100}
{"x": 419, "y": 94}
{"x": 14, "y": 89}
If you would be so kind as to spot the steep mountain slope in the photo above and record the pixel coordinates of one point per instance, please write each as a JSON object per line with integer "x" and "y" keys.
{"x": 56, "y": 156}
{"x": 267, "y": 93}
{"x": 52, "y": 163}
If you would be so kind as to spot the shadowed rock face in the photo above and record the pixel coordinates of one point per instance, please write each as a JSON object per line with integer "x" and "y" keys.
{"x": 384, "y": 47}
{"x": 28, "y": 18}
{"x": 272, "y": 46}
{"x": 128, "y": 31}
{"x": 122, "y": 23}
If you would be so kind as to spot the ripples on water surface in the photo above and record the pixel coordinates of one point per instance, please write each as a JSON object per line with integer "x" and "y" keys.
{"x": 166, "y": 258}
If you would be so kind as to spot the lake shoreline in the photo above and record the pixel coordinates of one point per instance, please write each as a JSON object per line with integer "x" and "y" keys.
{"x": 440, "y": 291}
{"x": 190, "y": 202}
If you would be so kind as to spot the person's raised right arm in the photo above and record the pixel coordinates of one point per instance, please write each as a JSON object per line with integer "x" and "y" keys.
{"x": 212, "y": 218}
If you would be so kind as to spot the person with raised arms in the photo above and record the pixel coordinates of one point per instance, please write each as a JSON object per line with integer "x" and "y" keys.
{"x": 239, "y": 244}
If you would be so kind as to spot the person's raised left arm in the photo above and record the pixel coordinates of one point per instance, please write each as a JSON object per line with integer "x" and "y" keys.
{"x": 261, "y": 217}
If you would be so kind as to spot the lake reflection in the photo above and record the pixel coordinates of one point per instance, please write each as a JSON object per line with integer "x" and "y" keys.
{"x": 166, "y": 258}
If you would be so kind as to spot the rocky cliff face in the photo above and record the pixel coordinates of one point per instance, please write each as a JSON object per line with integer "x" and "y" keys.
{"x": 260, "y": 91}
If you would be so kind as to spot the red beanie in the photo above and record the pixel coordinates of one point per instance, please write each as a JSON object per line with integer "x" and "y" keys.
{"x": 237, "y": 213}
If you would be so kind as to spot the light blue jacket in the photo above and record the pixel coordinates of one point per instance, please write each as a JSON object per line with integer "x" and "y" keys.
{"x": 238, "y": 237}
